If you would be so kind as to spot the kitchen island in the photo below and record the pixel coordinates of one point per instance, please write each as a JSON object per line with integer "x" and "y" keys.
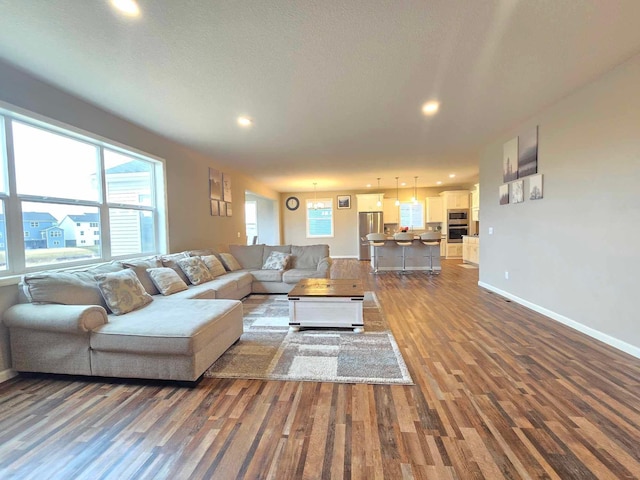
{"x": 390, "y": 256}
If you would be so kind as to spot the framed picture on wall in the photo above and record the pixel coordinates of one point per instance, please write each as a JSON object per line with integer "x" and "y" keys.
{"x": 344, "y": 201}
{"x": 229, "y": 211}
{"x": 516, "y": 191}
{"x": 503, "y": 194}
{"x": 226, "y": 187}
{"x": 215, "y": 208}
{"x": 223, "y": 209}
{"x": 535, "y": 187}
{"x": 215, "y": 184}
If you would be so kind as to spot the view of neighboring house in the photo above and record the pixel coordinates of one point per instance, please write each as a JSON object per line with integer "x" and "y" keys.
{"x": 81, "y": 230}
{"x": 36, "y": 226}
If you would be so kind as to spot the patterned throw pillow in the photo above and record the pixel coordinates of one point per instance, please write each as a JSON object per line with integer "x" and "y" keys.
{"x": 230, "y": 262}
{"x": 166, "y": 280}
{"x": 122, "y": 291}
{"x": 213, "y": 264}
{"x": 276, "y": 261}
{"x": 195, "y": 269}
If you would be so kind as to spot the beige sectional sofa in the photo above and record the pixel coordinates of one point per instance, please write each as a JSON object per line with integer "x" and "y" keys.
{"x": 63, "y": 324}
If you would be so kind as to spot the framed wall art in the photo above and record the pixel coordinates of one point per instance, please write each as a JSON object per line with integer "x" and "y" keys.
{"x": 344, "y": 201}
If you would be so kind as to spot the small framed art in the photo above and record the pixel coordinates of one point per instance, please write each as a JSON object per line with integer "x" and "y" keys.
{"x": 344, "y": 201}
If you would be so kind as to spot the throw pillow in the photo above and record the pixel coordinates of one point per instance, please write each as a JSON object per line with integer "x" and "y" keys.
{"x": 166, "y": 280}
{"x": 213, "y": 264}
{"x": 140, "y": 267}
{"x": 276, "y": 261}
{"x": 122, "y": 291}
{"x": 230, "y": 262}
{"x": 195, "y": 269}
{"x": 171, "y": 262}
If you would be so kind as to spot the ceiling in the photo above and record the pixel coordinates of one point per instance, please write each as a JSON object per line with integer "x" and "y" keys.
{"x": 334, "y": 87}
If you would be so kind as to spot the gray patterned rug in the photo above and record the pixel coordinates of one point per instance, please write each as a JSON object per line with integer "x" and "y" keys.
{"x": 268, "y": 351}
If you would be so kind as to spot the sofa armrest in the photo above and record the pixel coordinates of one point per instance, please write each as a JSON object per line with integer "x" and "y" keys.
{"x": 324, "y": 266}
{"x": 55, "y": 317}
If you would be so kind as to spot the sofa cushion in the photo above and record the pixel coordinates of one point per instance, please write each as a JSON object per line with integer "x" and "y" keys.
{"x": 67, "y": 288}
{"x": 140, "y": 268}
{"x": 295, "y": 275}
{"x": 195, "y": 269}
{"x": 267, "y": 275}
{"x": 274, "y": 248}
{"x": 248, "y": 256}
{"x": 213, "y": 264}
{"x": 276, "y": 261}
{"x": 171, "y": 262}
{"x": 166, "y": 280}
{"x": 308, "y": 256}
{"x": 122, "y": 291}
{"x": 230, "y": 262}
{"x": 164, "y": 327}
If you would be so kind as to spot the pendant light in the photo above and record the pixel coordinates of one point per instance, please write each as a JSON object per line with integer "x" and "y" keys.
{"x": 316, "y": 204}
{"x": 415, "y": 190}
{"x": 379, "y": 204}
{"x": 397, "y": 191}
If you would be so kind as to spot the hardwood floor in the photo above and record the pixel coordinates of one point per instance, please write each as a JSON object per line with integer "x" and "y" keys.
{"x": 500, "y": 392}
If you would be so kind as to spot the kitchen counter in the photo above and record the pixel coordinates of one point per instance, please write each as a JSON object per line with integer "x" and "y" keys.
{"x": 390, "y": 256}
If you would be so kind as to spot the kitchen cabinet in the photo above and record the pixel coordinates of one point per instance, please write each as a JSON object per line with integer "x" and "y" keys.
{"x": 443, "y": 246}
{"x": 390, "y": 211}
{"x": 368, "y": 202}
{"x": 455, "y": 199}
{"x": 471, "y": 250}
{"x": 435, "y": 211}
{"x": 454, "y": 250}
{"x": 475, "y": 203}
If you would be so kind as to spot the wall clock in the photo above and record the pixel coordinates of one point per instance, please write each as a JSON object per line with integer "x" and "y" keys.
{"x": 292, "y": 203}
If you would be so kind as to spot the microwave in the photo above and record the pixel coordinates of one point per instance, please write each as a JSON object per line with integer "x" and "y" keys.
{"x": 457, "y": 215}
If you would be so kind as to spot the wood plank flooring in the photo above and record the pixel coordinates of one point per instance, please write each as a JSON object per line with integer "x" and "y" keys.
{"x": 500, "y": 392}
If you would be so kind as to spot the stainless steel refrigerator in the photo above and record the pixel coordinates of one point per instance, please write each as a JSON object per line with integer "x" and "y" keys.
{"x": 368, "y": 222}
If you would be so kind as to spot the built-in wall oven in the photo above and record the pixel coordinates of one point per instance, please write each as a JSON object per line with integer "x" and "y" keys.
{"x": 457, "y": 225}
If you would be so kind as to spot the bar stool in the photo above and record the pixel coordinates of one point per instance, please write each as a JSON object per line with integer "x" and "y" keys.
{"x": 431, "y": 239}
{"x": 376, "y": 240}
{"x": 404, "y": 240}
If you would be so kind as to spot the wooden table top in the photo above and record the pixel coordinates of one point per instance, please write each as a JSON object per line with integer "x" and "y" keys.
{"x": 326, "y": 287}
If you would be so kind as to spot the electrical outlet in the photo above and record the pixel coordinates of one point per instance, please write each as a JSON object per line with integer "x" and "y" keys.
{"x": 490, "y": 230}
{"x": 238, "y": 234}
{"x": 506, "y": 275}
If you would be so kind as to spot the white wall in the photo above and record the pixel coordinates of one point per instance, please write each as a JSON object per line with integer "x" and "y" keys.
{"x": 574, "y": 254}
{"x": 190, "y": 223}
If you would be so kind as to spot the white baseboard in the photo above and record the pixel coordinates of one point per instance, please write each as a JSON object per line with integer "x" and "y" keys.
{"x": 7, "y": 375}
{"x": 344, "y": 256}
{"x": 592, "y": 332}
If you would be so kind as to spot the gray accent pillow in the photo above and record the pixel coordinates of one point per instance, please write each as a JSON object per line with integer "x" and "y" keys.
{"x": 229, "y": 262}
{"x": 213, "y": 264}
{"x": 247, "y": 256}
{"x": 195, "y": 269}
{"x": 276, "y": 261}
{"x": 140, "y": 267}
{"x": 167, "y": 280}
{"x": 122, "y": 291}
{"x": 171, "y": 262}
{"x": 308, "y": 256}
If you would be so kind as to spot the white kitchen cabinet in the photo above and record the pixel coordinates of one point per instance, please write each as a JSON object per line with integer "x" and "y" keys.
{"x": 455, "y": 199}
{"x": 435, "y": 211}
{"x": 443, "y": 247}
{"x": 454, "y": 250}
{"x": 390, "y": 211}
{"x": 471, "y": 250}
{"x": 475, "y": 203}
{"x": 368, "y": 202}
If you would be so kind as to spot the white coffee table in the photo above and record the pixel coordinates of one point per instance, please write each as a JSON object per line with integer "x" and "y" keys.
{"x": 323, "y": 302}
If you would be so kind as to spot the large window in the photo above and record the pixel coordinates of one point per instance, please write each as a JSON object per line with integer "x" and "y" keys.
{"x": 74, "y": 199}
{"x": 319, "y": 218}
{"x": 412, "y": 215}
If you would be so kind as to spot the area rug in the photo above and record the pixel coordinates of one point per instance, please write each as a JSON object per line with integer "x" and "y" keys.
{"x": 267, "y": 350}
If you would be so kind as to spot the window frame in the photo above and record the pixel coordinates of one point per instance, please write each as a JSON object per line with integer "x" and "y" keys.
{"x": 309, "y": 206}
{"x": 15, "y": 242}
{"x": 413, "y": 226}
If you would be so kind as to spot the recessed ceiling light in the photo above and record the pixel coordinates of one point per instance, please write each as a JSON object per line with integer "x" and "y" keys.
{"x": 452, "y": 175}
{"x": 245, "y": 121}
{"x": 430, "y": 108}
{"x": 403, "y": 184}
{"x": 368, "y": 185}
{"x": 438, "y": 182}
{"x": 128, "y": 7}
